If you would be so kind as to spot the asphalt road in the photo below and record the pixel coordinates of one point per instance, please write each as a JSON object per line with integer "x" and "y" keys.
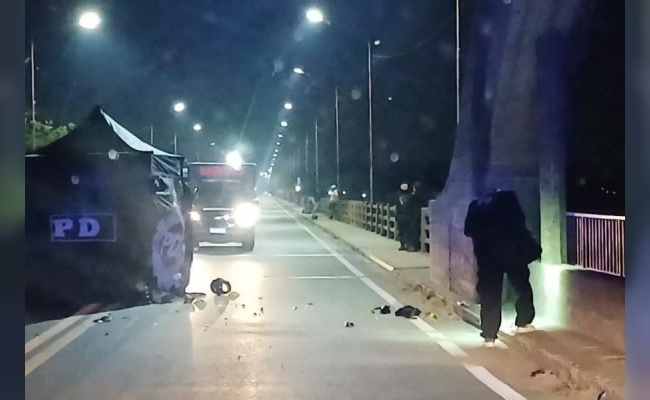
{"x": 283, "y": 338}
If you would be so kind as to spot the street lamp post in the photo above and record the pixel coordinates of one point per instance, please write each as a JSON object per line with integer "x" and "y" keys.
{"x": 89, "y": 20}
{"x": 338, "y": 157}
{"x": 316, "y": 152}
{"x": 370, "y": 139}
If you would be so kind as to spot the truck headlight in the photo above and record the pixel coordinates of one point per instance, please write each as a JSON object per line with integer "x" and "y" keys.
{"x": 246, "y": 215}
{"x": 195, "y": 216}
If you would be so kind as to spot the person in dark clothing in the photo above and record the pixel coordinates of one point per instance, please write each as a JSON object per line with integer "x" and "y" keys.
{"x": 497, "y": 226}
{"x": 402, "y": 217}
{"x": 418, "y": 201}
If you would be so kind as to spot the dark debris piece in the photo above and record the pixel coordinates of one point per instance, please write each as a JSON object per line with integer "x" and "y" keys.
{"x": 103, "y": 320}
{"x": 537, "y": 372}
{"x": 409, "y": 312}
{"x": 382, "y": 310}
{"x": 349, "y": 324}
{"x": 220, "y": 286}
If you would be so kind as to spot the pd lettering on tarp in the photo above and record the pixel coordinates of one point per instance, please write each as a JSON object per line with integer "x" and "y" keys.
{"x": 83, "y": 228}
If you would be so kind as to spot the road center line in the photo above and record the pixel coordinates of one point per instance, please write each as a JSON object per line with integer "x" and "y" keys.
{"x": 480, "y": 373}
{"x": 312, "y": 277}
{"x": 42, "y": 356}
{"x": 59, "y": 327}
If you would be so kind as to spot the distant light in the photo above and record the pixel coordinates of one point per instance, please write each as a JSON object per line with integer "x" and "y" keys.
{"x": 280, "y": 135}
{"x": 212, "y": 144}
{"x": 377, "y": 42}
{"x": 113, "y": 155}
{"x": 89, "y": 20}
{"x": 261, "y": 173}
{"x": 197, "y": 127}
{"x": 363, "y": 195}
{"x": 179, "y": 107}
{"x": 390, "y": 99}
{"x": 315, "y": 16}
{"x": 299, "y": 71}
{"x": 284, "y": 124}
{"x": 288, "y": 106}
{"x": 234, "y": 159}
{"x": 277, "y": 143}
{"x": 298, "y": 188}
{"x": 344, "y": 193}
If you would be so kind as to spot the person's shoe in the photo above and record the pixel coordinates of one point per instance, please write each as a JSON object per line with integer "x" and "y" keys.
{"x": 489, "y": 343}
{"x": 525, "y": 329}
{"x": 402, "y": 248}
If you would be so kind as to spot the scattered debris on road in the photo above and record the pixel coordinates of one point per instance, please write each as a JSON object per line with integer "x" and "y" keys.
{"x": 106, "y": 334}
{"x": 537, "y": 372}
{"x": 261, "y": 310}
{"x": 260, "y": 298}
{"x": 409, "y": 312}
{"x": 382, "y": 310}
{"x": 104, "y": 319}
{"x": 431, "y": 315}
{"x": 602, "y": 395}
{"x": 200, "y": 304}
{"x": 349, "y": 324}
{"x": 233, "y": 296}
{"x": 294, "y": 308}
{"x": 220, "y": 286}
{"x": 254, "y": 314}
{"x": 238, "y": 358}
{"x": 310, "y": 304}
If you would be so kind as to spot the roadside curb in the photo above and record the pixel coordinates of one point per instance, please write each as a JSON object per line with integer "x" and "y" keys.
{"x": 524, "y": 344}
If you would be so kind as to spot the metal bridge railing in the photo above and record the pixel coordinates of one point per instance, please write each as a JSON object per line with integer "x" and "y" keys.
{"x": 596, "y": 242}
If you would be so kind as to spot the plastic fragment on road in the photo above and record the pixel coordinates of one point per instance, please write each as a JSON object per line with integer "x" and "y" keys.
{"x": 409, "y": 312}
{"x": 310, "y": 304}
{"x": 602, "y": 395}
{"x": 431, "y": 316}
{"x": 261, "y": 310}
{"x": 294, "y": 308}
{"x": 382, "y": 310}
{"x": 349, "y": 324}
{"x": 233, "y": 296}
{"x": 103, "y": 320}
{"x": 200, "y": 304}
{"x": 537, "y": 372}
{"x": 220, "y": 286}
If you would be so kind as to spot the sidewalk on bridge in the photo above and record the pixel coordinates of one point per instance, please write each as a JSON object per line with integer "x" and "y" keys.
{"x": 579, "y": 359}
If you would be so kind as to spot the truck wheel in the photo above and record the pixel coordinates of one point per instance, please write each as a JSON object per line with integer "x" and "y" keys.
{"x": 249, "y": 243}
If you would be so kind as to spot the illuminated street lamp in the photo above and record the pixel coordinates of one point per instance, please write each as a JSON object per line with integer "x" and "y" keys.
{"x": 315, "y": 15}
{"x": 197, "y": 127}
{"x": 284, "y": 124}
{"x": 299, "y": 71}
{"x": 280, "y": 135}
{"x": 89, "y": 20}
{"x": 288, "y": 106}
{"x": 234, "y": 159}
{"x": 179, "y": 107}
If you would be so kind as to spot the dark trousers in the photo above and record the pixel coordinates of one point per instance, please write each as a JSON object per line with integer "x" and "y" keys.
{"x": 415, "y": 227}
{"x": 490, "y": 291}
{"x": 403, "y": 231}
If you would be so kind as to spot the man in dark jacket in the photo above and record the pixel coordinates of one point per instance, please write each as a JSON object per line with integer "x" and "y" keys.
{"x": 497, "y": 226}
{"x": 418, "y": 201}
{"x": 402, "y": 217}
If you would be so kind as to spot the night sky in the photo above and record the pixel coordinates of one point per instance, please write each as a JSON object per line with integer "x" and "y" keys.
{"x": 230, "y": 61}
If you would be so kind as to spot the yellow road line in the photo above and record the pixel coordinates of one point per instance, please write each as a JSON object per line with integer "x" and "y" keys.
{"x": 45, "y": 354}
{"x": 58, "y": 328}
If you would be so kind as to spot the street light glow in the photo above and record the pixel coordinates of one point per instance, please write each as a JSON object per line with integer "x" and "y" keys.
{"x": 89, "y": 20}
{"x": 234, "y": 160}
{"x": 284, "y": 124}
{"x": 299, "y": 71}
{"x": 377, "y": 42}
{"x": 179, "y": 107}
{"x": 197, "y": 127}
{"x": 277, "y": 143}
{"x": 288, "y": 106}
{"x": 280, "y": 135}
{"x": 315, "y": 16}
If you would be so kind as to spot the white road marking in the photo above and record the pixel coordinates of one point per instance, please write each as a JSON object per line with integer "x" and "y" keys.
{"x": 480, "y": 373}
{"x": 311, "y": 277}
{"x": 283, "y": 255}
{"x": 498, "y": 387}
{"x": 41, "y": 357}
{"x": 380, "y": 262}
{"x": 58, "y": 328}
